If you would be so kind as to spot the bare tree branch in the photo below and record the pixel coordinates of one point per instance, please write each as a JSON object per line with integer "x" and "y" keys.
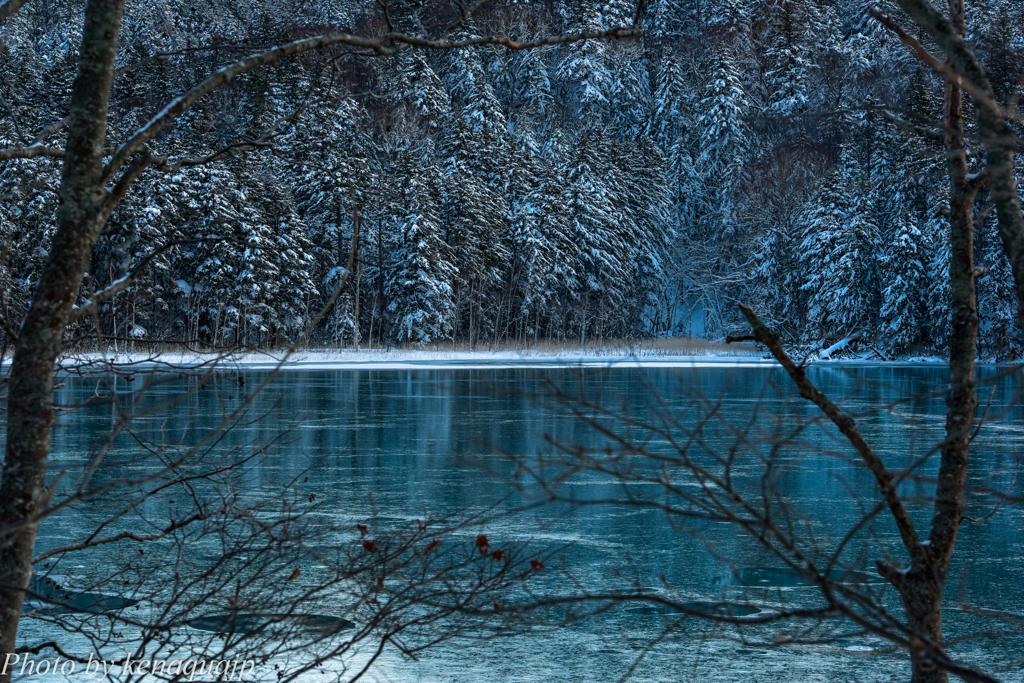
{"x": 846, "y": 424}
{"x": 171, "y": 528}
{"x": 31, "y": 152}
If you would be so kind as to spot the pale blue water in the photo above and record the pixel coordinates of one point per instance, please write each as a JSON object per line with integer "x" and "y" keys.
{"x": 411, "y": 443}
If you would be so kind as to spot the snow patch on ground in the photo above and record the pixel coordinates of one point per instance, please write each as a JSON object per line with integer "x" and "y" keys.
{"x": 413, "y": 359}
{"x": 468, "y": 360}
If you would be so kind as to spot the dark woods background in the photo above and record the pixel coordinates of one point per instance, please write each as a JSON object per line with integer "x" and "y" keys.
{"x": 738, "y": 151}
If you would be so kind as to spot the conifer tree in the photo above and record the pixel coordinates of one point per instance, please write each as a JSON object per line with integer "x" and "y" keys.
{"x": 29, "y": 221}
{"x": 837, "y": 255}
{"x": 593, "y": 219}
{"x": 904, "y": 278}
{"x": 210, "y": 265}
{"x": 647, "y": 201}
{"x": 631, "y": 95}
{"x": 787, "y": 58}
{"x": 725, "y": 139}
{"x": 530, "y": 253}
{"x": 533, "y": 91}
{"x": 999, "y": 337}
{"x": 556, "y": 288}
{"x": 419, "y": 289}
{"x": 671, "y": 119}
{"x": 426, "y": 91}
{"x": 586, "y": 73}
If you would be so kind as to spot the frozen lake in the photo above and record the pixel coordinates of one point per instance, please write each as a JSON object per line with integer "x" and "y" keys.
{"x": 407, "y": 443}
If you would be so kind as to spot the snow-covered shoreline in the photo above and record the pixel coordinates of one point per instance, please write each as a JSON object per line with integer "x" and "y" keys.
{"x": 467, "y": 360}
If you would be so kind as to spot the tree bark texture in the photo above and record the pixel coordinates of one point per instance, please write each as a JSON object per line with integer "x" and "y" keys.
{"x": 922, "y": 586}
{"x": 85, "y": 206}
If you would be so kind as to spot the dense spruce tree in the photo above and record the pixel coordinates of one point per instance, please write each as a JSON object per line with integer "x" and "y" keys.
{"x": 585, "y": 73}
{"x": 788, "y": 62}
{"x": 646, "y": 204}
{"x": 212, "y": 262}
{"x": 419, "y": 289}
{"x": 556, "y": 288}
{"x": 426, "y": 92}
{"x": 837, "y": 255}
{"x": 1000, "y": 340}
{"x": 904, "y": 278}
{"x": 724, "y": 140}
{"x": 529, "y": 252}
{"x": 630, "y": 93}
{"x": 532, "y": 91}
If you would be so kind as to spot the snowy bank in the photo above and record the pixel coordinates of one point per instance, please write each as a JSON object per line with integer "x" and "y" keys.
{"x": 347, "y": 359}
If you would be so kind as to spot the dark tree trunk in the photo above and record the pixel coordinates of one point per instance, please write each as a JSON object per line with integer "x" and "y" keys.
{"x": 84, "y": 207}
{"x": 922, "y": 587}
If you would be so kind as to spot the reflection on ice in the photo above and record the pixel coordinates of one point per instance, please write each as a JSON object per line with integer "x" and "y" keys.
{"x": 392, "y": 445}
{"x": 50, "y": 597}
{"x": 764, "y": 577}
{"x": 245, "y": 622}
{"x": 718, "y": 609}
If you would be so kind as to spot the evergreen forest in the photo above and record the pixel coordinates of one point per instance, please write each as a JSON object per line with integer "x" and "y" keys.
{"x": 780, "y": 153}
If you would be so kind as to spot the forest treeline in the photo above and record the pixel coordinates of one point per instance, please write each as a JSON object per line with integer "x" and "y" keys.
{"x": 781, "y": 153}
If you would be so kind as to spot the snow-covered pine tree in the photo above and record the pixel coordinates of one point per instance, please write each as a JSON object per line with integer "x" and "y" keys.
{"x": 585, "y": 73}
{"x": 475, "y": 207}
{"x": 295, "y": 290}
{"x": 730, "y": 20}
{"x": 532, "y": 92}
{"x": 937, "y": 236}
{"x": 671, "y": 118}
{"x": 29, "y": 217}
{"x": 462, "y": 73}
{"x": 999, "y": 337}
{"x": 555, "y": 289}
{"x": 419, "y": 289}
{"x": 486, "y": 140}
{"x": 724, "y": 138}
{"x": 664, "y": 21}
{"x": 476, "y": 221}
{"x": 209, "y": 265}
{"x": 332, "y": 152}
{"x": 789, "y": 64}
{"x": 904, "y": 278}
{"x": 647, "y": 205}
{"x": 593, "y": 217}
{"x": 259, "y": 273}
{"x": 530, "y": 254}
{"x": 897, "y": 201}
{"x": 631, "y": 93}
{"x": 837, "y": 255}
{"x": 822, "y": 222}
{"x": 426, "y": 92}
{"x": 774, "y": 276}
{"x": 616, "y": 13}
